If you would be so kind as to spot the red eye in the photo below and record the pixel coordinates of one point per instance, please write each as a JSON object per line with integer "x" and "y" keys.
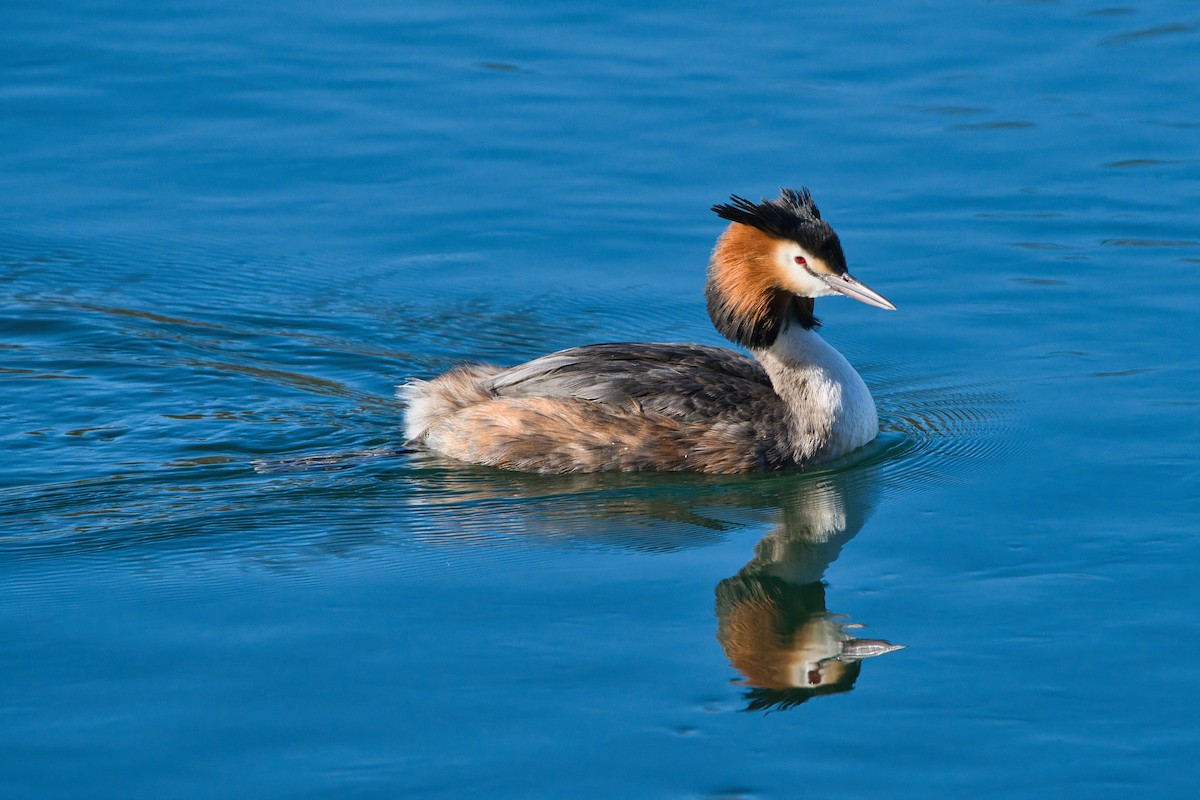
{"x": 801, "y": 261}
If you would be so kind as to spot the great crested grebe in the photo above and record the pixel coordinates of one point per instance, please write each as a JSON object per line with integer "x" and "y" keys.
{"x": 674, "y": 407}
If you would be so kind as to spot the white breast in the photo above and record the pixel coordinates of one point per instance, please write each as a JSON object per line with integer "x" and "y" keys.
{"x": 830, "y": 402}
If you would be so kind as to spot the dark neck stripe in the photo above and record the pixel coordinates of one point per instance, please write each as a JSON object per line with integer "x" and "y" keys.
{"x": 784, "y": 309}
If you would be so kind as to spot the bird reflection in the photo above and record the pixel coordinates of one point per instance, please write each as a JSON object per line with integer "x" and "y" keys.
{"x": 772, "y": 620}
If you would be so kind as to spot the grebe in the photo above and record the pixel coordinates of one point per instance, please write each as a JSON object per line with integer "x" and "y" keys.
{"x": 675, "y": 407}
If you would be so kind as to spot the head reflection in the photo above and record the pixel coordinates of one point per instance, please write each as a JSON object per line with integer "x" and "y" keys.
{"x": 772, "y": 621}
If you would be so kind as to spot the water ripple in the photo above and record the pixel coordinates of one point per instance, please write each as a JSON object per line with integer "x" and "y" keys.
{"x": 203, "y": 430}
{"x": 938, "y": 430}
{"x": 1148, "y": 33}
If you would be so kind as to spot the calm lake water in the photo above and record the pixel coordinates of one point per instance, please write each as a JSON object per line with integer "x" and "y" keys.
{"x": 228, "y": 230}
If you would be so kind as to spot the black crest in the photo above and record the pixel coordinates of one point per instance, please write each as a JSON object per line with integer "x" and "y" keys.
{"x": 794, "y": 216}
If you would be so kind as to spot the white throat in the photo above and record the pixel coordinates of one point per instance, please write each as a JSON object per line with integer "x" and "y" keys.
{"x": 832, "y": 409}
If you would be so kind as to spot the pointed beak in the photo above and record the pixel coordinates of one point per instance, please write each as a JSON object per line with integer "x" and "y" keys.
{"x": 858, "y": 649}
{"x": 850, "y": 286}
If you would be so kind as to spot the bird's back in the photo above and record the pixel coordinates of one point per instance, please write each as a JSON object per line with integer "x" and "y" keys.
{"x": 621, "y": 406}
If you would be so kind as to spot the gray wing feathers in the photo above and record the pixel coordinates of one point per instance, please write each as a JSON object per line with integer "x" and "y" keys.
{"x": 680, "y": 380}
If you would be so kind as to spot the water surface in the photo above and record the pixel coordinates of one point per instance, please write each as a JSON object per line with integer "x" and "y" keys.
{"x": 228, "y": 231}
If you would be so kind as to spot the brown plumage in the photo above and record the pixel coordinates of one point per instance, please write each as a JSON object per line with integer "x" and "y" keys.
{"x": 607, "y": 407}
{"x": 747, "y": 301}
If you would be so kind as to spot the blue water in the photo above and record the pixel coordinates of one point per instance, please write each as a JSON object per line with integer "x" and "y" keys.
{"x": 227, "y": 230}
